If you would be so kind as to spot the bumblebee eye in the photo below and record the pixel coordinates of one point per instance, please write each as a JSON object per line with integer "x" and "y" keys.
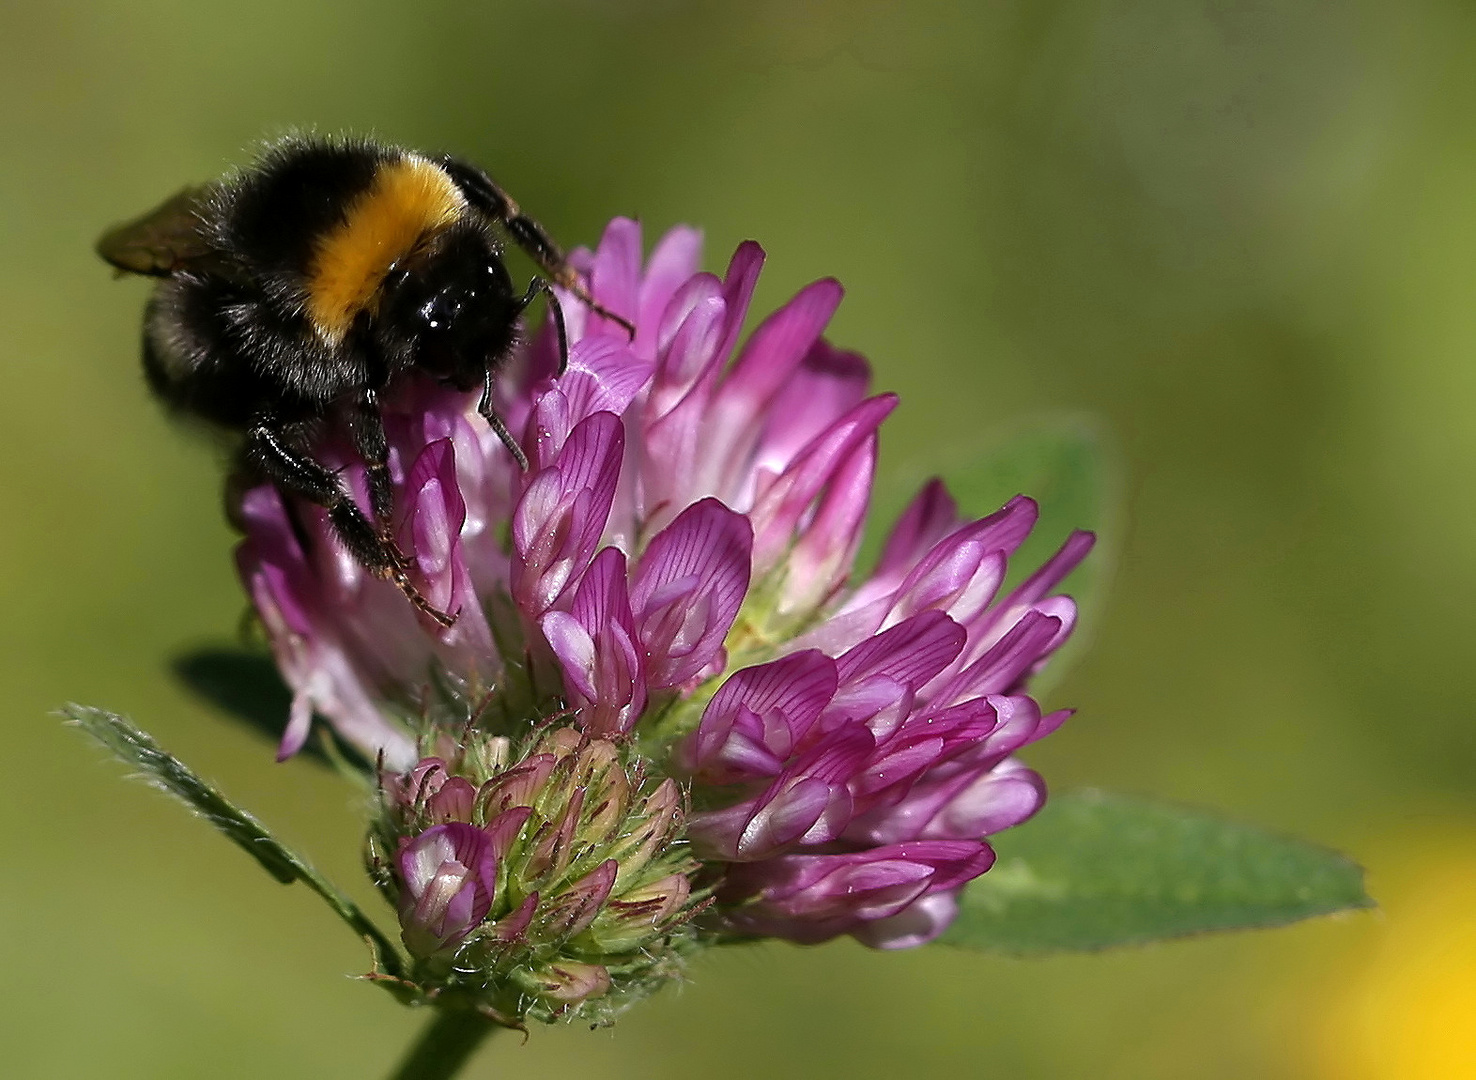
{"x": 440, "y": 311}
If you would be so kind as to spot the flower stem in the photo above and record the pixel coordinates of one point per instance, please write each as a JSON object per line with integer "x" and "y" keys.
{"x": 446, "y": 1044}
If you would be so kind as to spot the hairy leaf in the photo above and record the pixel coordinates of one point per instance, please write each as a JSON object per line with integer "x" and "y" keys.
{"x": 136, "y": 748}
{"x": 1094, "y": 870}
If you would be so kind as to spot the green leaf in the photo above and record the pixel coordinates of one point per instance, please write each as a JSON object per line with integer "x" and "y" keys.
{"x": 136, "y": 748}
{"x": 1094, "y": 870}
{"x": 1067, "y": 465}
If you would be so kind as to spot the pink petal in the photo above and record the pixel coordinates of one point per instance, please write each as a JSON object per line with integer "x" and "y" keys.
{"x": 676, "y": 258}
{"x": 688, "y": 588}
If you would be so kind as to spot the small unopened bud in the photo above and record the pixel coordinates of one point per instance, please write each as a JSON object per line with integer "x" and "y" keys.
{"x": 575, "y": 909}
{"x": 453, "y": 802}
{"x": 514, "y": 927}
{"x": 518, "y": 786}
{"x": 660, "y": 814}
{"x": 632, "y": 917}
{"x": 571, "y": 981}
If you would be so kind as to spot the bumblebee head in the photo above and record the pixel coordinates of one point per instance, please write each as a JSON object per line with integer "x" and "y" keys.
{"x": 451, "y": 309}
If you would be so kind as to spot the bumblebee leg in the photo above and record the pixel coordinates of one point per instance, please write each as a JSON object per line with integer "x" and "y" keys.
{"x": 536, "y": 286}
{"x": 269, "y": 447}
{"x": 366, "y": 429}
{"x": 497, "y": 424}
{"x": 484, "y": 194}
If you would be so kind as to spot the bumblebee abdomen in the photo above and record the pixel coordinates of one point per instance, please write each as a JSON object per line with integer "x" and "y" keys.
{"x": 190, "y": 352}
{"x": 219, "y": 350}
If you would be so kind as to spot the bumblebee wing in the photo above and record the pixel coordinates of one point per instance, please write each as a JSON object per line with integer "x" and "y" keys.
{"x": 166, "y": 239}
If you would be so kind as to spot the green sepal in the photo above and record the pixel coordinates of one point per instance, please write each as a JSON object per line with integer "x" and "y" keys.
{"x": 136, "y": 748}
{"x": 1095, "y": 870}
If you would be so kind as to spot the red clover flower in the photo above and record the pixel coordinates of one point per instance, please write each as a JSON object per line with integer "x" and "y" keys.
{"x": 666, "y": 712}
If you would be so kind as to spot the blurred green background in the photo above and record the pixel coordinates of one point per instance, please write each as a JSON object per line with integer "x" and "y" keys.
{"x": 1242, "y": 233}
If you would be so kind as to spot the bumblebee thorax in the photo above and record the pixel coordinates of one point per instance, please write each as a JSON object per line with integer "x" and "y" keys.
{"x": 407, "y": 202}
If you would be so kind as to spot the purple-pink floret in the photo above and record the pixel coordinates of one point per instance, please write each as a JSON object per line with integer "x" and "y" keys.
{"x": 685, "y": 534}
{"x": 449, "y": 873}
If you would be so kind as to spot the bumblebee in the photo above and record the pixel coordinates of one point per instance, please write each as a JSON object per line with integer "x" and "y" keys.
{"x": 295, "y": 292}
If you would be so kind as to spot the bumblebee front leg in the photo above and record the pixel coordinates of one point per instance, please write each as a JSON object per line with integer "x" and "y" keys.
{"x": 366, "y": 430}
{"x": 556, "y": 311}
{"x": 485, "y": 407}
{"x": 271, "y": 449}
{"x": 484, "y": 193}
{"x": 497, "y": 424}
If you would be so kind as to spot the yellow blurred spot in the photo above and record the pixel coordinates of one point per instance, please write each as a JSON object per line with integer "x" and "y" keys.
{"x": 1410, "y": 1012}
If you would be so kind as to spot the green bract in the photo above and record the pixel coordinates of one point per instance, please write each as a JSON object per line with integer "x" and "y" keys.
{"x": 585, "y": 893}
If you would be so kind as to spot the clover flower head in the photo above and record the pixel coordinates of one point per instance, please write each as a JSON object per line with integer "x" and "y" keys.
{"x": 668, "y": 711}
